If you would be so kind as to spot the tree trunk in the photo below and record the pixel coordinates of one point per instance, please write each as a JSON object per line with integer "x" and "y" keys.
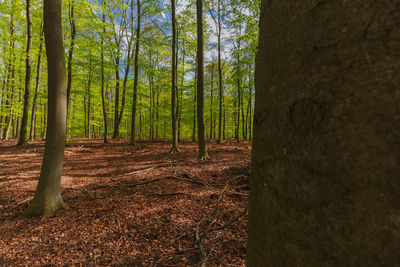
{"x": 71, "y": 19}
{"x": 174, "y": 77}
{"x": 25, "y": 114}
{"x": 103, "y": 101}
{"x": 47, "y": 199}
{"x": 136, "y": 77}
{"x": 116, "y": 103}
{"x": 200, "y": 82}
{"x": 325, "y": 163}
{"x": 37, "y": 84}
{"x": 211, "y": 104}
{"x": 220, "y": 91}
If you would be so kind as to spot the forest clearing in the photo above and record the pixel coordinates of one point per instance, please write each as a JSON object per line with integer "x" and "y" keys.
{"x": 132, "y": 205}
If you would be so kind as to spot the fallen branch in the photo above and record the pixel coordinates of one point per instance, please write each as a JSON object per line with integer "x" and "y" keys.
{"x": 112, "y": 178}
{"x": 200, "y": 237}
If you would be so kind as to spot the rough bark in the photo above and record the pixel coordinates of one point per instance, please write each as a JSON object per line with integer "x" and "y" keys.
{"x": 325, "y": 187}
{"x": 200, "y": 82}
{"x": 47, "y": 198}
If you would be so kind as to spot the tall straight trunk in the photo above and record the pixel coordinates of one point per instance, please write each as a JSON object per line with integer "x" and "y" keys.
{"x": 251, "y": 116}
{"x": 116, "y": 103}
{"x": 24, "y": 122}
{"x": 200, "y": 82}
{"x": 47, "y": 198}
{"x": 88, "y": 93}
{"x": 37, "y": 84}
{"x": 194, "y": 109}
{"x": 180, "y": 98}
{"x": 124, "y": 85}
{"x": 157, "y": 112}
{"x": 212, "y": 98}
{"x": 10, "y": 78}
{"x": 174, "y": 77}
{"x": 71, "y": 18}
{"x": 103, "y": 101}
{"x": 136, "y": 77}
{"x": 325, "y": 162}
{"x": 220, "y": 92}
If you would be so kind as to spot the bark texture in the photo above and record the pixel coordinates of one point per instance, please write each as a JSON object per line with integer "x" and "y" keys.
{"x": 325, "y": 187}
{"x": 200, "y": 82}
{"x": 47, "y": 198}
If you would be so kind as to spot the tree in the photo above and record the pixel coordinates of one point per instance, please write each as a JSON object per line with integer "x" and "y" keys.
{"x": 47, "y": 198}
{"x": 136, "y": 77}
{"x": 200, "y": 82}
{"x": 174, "y": 82}
{"x": 324, "y": 183}
{"x": 24, "y": 122}
{"x": 37, "y": 82}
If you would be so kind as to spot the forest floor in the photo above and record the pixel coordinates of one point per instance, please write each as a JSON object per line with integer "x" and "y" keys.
{"x": 129, "y": 206}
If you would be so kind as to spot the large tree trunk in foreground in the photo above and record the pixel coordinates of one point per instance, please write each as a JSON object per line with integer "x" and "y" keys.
{"x": 47, "y": 199}
{"x": 325, "y": 187}
{"x": 200, "y": 82}
{"x": 24, "y": 121}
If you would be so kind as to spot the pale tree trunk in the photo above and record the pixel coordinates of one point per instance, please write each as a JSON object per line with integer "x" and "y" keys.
{"x": 47, "y": 199}
{"x": 25, "y": 114}
{"x": 200, "y": 82}
{"x": 325, "y": 187}
{"x": 136, "y": 77}
{"x": 173, "y": 88}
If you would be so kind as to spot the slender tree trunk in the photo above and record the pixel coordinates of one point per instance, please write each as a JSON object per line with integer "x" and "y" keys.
{"x": 194, "y": 109}
{"x": 220, "y": 92}
{"x": 24, "y": 122}
{"x": 200, "y": 82}
{"x": 212, "y": 98}
{"x": 47, "y": 198}
{"x": 124, "y": 84}
{"x": 71, "y": 18}
{"x": 37, "y": 84}
{"x": 103, "y": 101}
{"x": 116, "y": 104}
{"x": 173, "y": 88}
{"x": 88, "y": 93}
{"x": 136, "y": 77}
{"x": 325, "y": 162}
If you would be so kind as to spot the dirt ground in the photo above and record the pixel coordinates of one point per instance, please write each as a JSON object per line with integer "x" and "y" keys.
{"x": 129, "y": 206}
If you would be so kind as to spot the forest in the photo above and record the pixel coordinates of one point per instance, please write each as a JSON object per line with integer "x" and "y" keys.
{"x": 199, "y": 133}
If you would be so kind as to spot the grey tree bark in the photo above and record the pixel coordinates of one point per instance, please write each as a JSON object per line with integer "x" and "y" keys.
{"x": 200, "y": 82}
{"x": 47, "y": 198}
{"x": 325, "y": 187}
